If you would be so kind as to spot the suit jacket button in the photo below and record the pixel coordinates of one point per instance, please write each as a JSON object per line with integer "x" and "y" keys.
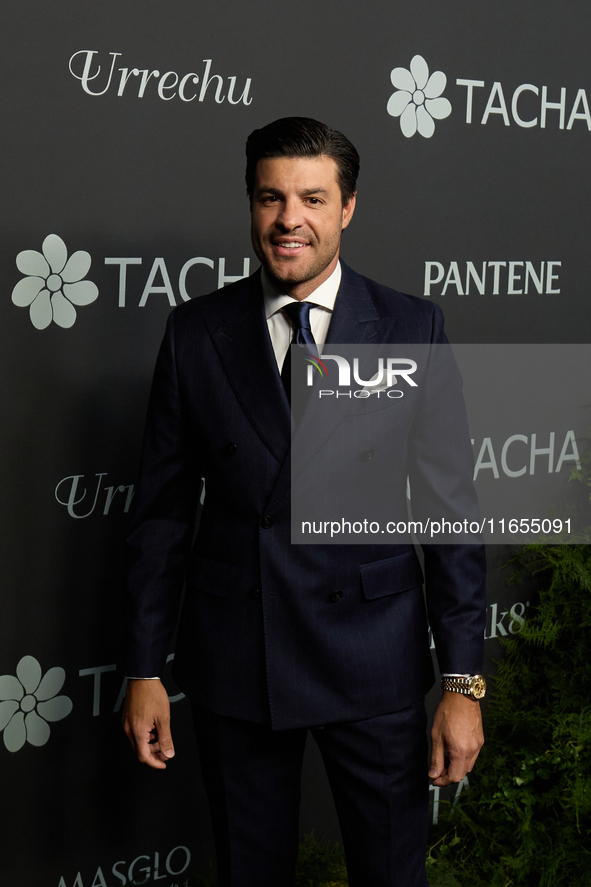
{"x": 367, "y": 455}
{"x": 335, "y": 596}
{"x": 267, "y": 522}
{"x": 255, "y": 593}
{"x": 230, "y": 449}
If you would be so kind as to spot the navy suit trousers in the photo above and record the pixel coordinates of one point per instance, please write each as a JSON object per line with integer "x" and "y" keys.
{"x": 377, "y": 769}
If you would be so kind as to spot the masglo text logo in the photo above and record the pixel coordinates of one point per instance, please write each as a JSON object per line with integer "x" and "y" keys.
{"x": 143, "y": 869}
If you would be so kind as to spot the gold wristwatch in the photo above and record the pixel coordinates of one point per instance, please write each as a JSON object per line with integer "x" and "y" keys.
{"x": 472, "y": 685}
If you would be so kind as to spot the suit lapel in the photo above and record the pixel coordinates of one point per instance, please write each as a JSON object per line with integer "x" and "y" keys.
{"x": 355, "y": 318}
{"x": 241, "y": 337}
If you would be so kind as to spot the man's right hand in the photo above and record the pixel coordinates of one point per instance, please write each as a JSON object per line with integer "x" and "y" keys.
{"x": 146, "y": 721}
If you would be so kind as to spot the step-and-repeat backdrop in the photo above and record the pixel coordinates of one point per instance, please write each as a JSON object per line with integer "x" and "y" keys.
{"x": 123, "y": 195}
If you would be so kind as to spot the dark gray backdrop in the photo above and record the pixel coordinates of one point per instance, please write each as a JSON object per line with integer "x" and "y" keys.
{"x": 157, "y": 181}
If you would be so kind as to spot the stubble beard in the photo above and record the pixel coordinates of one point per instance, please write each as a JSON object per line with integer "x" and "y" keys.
{"x": 288, "y": 274}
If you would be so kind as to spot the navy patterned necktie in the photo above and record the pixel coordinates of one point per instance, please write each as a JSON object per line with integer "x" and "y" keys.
{"x": 299, "y": 314}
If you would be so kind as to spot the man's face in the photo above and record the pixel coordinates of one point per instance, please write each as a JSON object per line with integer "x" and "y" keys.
{"x": 297, "y": 219}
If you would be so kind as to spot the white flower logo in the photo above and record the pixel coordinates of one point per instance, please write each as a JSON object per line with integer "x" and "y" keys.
{"x": 28, "y": 701}
{"x": 417, "y": 98}
{"x": 54, "y": 283}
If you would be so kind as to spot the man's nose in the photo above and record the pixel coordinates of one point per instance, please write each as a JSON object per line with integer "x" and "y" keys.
{"x": 290, "y": 215}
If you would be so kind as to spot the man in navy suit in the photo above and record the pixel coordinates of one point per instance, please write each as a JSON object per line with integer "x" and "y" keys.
{"x": 276, "y": 639}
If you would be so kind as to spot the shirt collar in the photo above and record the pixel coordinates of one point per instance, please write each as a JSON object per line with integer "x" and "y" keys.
{"x": 324, "y": 295}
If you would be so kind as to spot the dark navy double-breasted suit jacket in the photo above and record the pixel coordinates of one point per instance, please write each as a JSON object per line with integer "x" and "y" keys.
{"x": 292, "y": 635}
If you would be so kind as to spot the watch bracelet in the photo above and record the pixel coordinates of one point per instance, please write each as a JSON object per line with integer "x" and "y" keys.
{"x": 461, "y": 685}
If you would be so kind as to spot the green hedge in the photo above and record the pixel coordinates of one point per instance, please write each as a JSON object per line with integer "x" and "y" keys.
{"x": 526, "y": 820}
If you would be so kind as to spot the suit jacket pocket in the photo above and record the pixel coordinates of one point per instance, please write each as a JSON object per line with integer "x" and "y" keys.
{"x": 390, "y": 576}
{"x": 212, "y": 577}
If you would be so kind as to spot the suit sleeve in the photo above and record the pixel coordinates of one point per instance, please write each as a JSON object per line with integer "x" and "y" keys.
{"x": 440, "y": 470}
{"x": 163, "y": 518}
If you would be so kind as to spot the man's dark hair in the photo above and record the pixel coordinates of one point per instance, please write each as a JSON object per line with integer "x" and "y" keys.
{"x": 303, "y": 137}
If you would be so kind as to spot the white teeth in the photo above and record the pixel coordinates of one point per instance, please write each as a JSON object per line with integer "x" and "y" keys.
{"x": 291, "y": 245}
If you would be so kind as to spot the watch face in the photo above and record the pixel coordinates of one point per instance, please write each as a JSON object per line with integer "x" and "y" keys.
{"x": 478, "y": 686}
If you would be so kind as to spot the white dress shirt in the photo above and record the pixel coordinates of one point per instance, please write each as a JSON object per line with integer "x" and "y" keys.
{"x": 279, "y": 324}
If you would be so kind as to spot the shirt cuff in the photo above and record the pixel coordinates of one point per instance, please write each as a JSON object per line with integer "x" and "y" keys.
{"x": 132, "y": 678}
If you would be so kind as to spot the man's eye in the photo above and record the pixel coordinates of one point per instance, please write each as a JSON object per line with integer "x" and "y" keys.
{"x": 314, "y": 200}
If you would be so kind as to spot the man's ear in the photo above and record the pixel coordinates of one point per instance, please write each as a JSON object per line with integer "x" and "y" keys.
{"x": 348, "y": 210}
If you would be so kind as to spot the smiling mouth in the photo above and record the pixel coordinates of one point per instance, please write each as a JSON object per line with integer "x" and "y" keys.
{"x": 290, "y": 244}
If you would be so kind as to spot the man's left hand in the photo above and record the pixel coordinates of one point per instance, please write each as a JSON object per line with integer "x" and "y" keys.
{"x": 457, "y": 732}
